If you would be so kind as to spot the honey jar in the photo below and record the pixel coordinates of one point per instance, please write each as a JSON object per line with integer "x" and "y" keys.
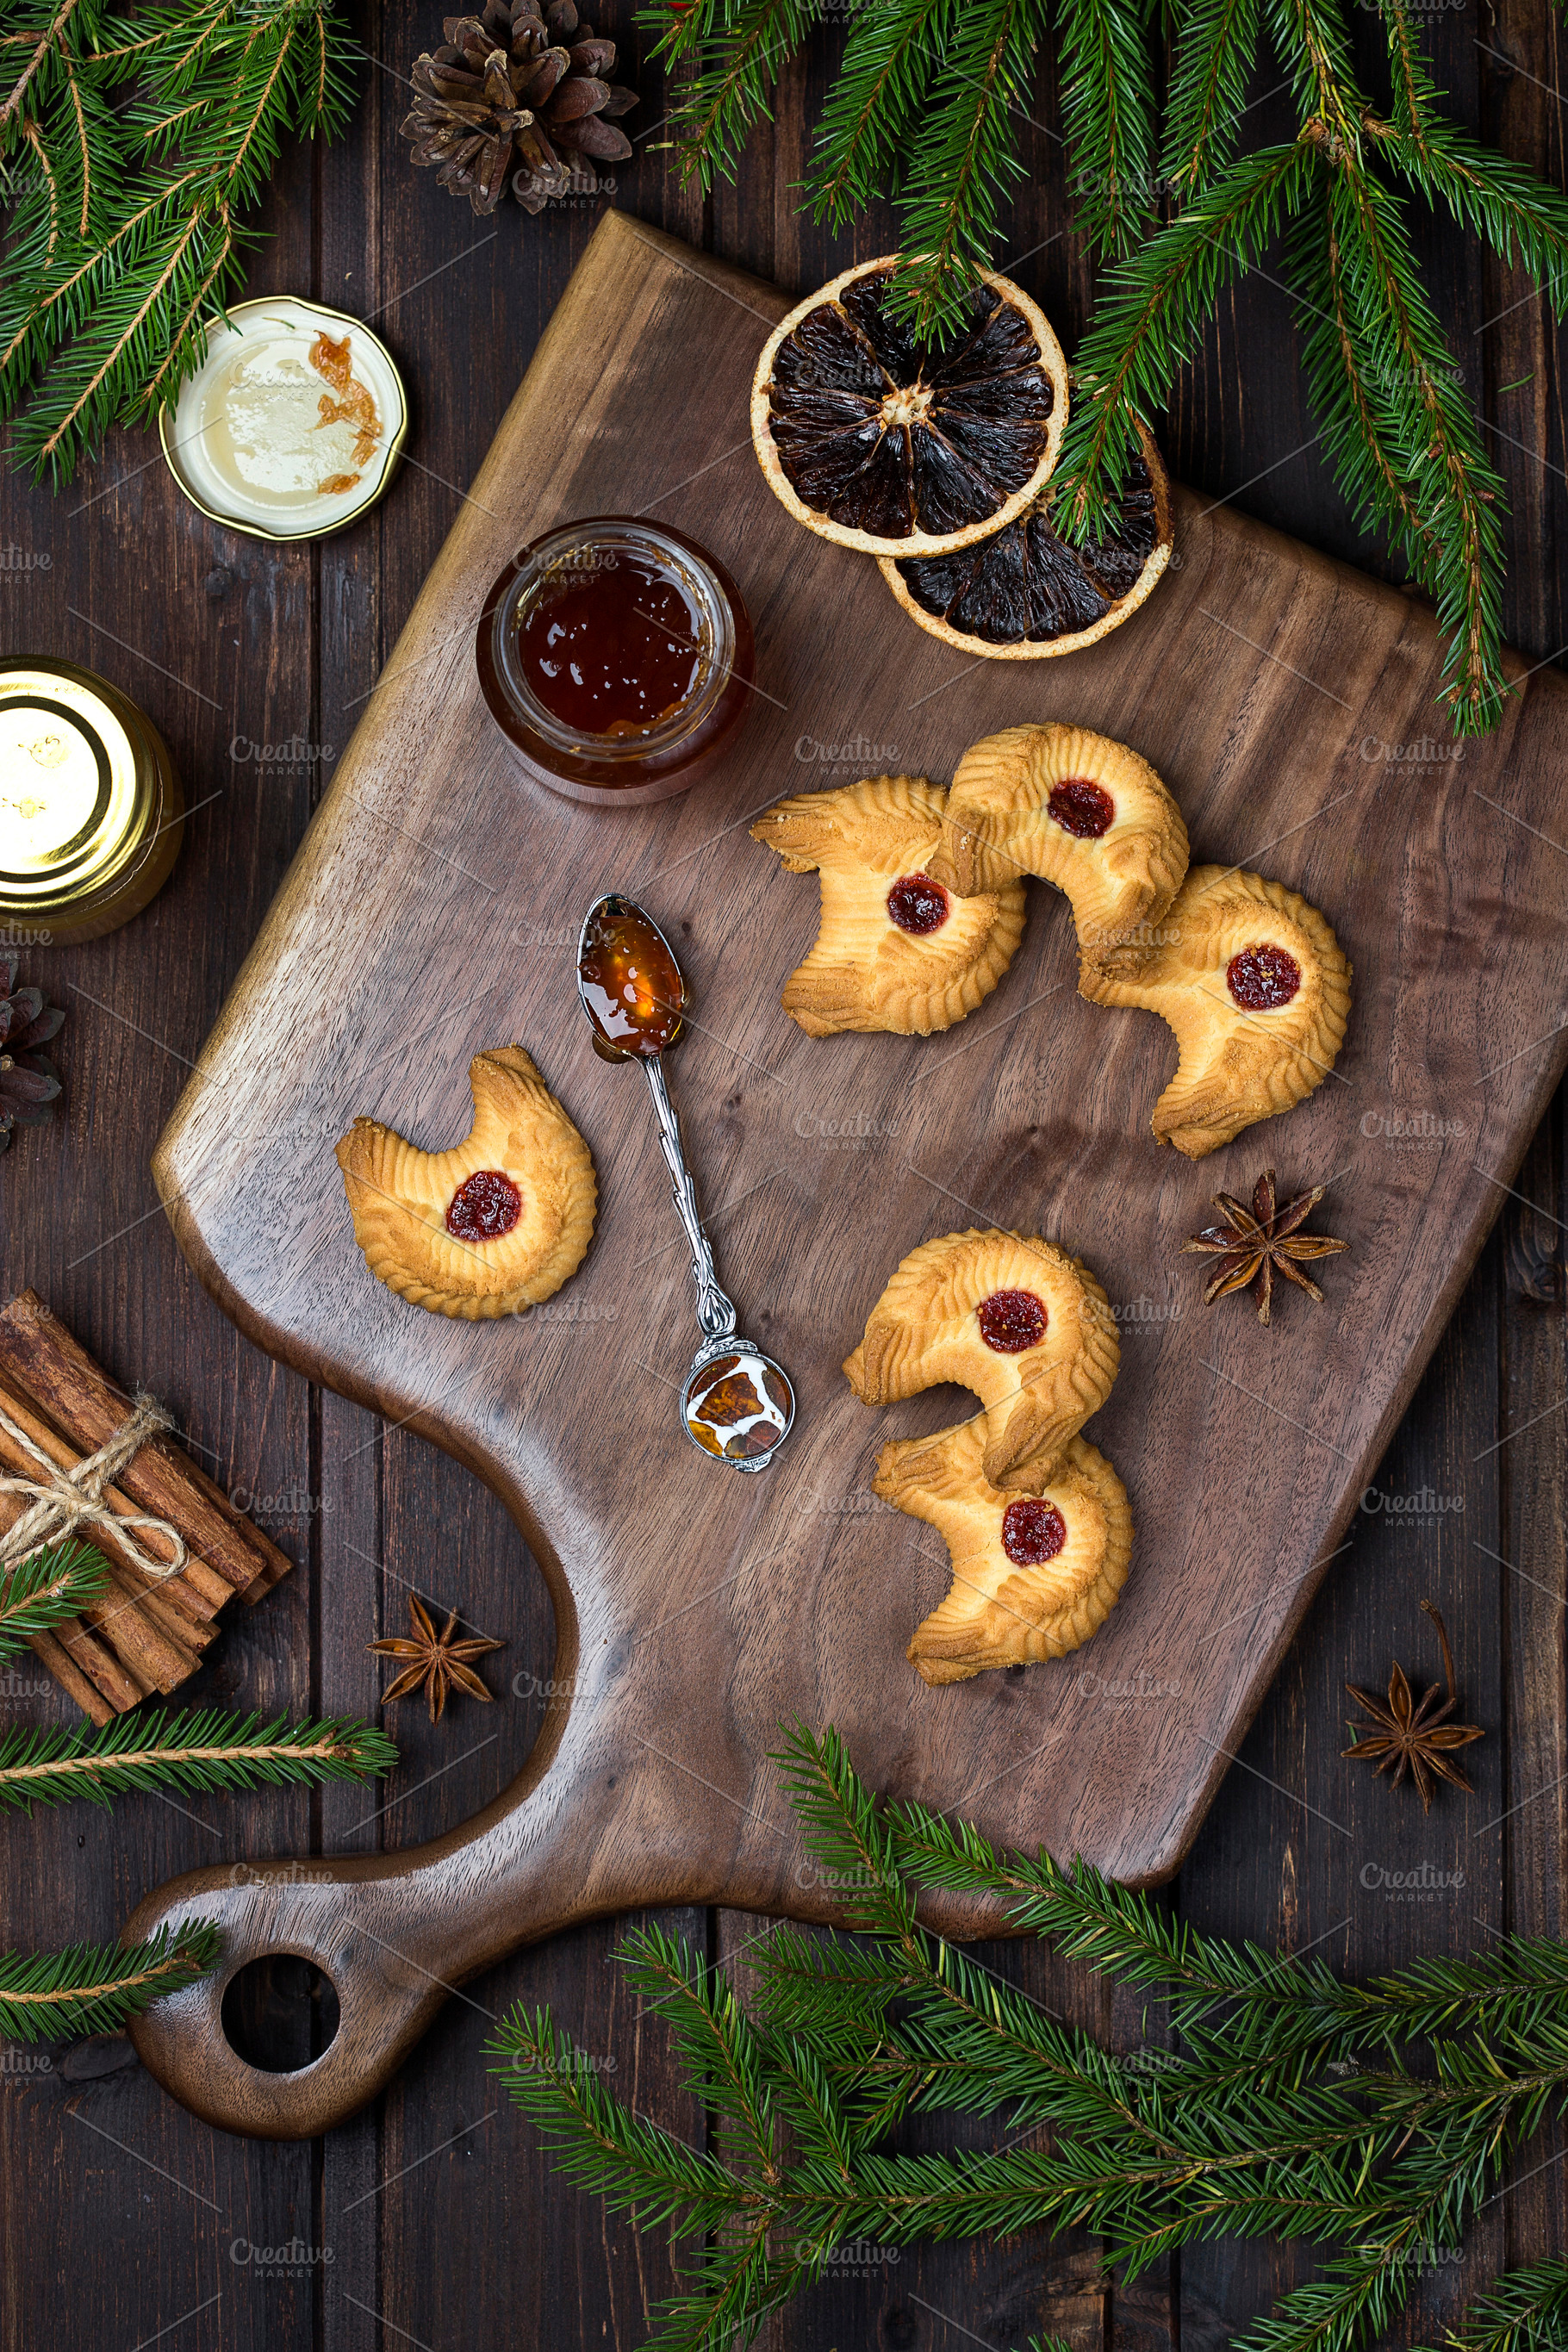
{"x": 616, "y": 656}
{"x": 91, "y": 813}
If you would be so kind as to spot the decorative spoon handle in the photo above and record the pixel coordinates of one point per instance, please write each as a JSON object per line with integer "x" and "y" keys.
{"x": 715, "y": 1312}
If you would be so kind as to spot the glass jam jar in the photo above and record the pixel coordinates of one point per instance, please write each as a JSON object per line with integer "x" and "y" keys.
{"x": 616, "y": 656}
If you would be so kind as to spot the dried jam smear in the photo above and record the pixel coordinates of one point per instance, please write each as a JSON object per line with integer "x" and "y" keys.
{"x": 1084, "y": 810}
{"x": 1263, "y": 978}
{"x": 968, "y": 432}
{"x": 1012, "y": 1321}
{"x": 918, "y": 905}
{"x": 485, "y": 1206}
{"x": 1032, "y": 1531}
{"x": 1026, "y": 583}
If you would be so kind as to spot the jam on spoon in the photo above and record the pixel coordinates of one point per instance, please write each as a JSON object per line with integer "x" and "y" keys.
{"x": 629, "y": 982}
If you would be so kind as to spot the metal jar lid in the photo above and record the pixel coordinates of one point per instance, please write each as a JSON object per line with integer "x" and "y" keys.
{"x": 91, "y": 813}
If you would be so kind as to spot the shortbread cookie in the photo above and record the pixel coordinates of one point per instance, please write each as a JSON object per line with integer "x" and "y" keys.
{"x": 493, "y": 1225}
{"x": 896, "y": 950}
{"x": 1253, "y": 982}
{"x": 1011, "y": 1317}
{"x": 1034, "y": 1575}
{"x": 1080, "y": 811}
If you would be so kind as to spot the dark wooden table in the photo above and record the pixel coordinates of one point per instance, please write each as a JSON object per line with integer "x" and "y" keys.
{"x": 432, "y": 2220}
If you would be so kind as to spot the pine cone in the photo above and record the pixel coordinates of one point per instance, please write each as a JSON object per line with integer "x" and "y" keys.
{"x": 510, "y": 87}
{"x": 29, "y": 1083}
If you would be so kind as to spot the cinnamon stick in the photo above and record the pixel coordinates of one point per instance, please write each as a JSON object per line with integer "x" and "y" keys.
{"x": 38, "y": 1355}
{"x": 200, "y": 1592}
{"x": 276, "y": 1560}
{"x": 141, "y": 1647}
{"x": 71, "y": 1679}
{"x": 121, "y": 1688}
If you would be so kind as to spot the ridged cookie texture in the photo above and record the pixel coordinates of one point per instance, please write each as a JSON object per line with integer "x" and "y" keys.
{"x": 1001, "y": 1611}
{"x": 399, "y": 1197}
{"x": 1236, "y": 1063}
{"x": 1019, "y": 805}
{"x": 931, "y": 1324}
{"x": 865, "y": 973}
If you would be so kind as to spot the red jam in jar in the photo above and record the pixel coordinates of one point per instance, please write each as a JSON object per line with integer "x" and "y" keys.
{"x": 616, "y": 657}
{"x": 612, "y": 649}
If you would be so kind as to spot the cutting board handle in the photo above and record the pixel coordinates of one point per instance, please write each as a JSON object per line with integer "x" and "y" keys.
{"x": 395, "y": 1934}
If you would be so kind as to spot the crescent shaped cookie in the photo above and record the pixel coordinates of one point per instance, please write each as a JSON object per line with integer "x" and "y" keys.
{"x": 493, "y": 1225}
{"x": 1024, "y": 1326}
{"x": 1080, "y": 811}
{"x": 1034, "y": 1575}
{"x": 896, "y": 950}
{"x": 1253, "y": 982}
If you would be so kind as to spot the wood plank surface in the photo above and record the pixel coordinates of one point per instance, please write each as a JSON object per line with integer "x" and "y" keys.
{"x": 102, "y": 2236}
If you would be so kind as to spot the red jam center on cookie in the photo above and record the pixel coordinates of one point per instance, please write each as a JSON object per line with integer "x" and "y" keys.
{"x": 1032, "y": 1531}
{"x": 1012, "y": 1321}
{"x": 1263, "y": 978}
{"x": 1083, "y": 808}
{"x": 916, "y": 904}
{"x": 488, "y": 1205}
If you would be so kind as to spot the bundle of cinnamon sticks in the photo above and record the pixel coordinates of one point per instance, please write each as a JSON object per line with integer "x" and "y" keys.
{"x": 144, "y": 1632}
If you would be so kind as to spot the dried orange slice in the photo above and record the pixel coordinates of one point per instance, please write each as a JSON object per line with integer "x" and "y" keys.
{"x": 880, "y": 442}
{"x": 1021, "y": 593}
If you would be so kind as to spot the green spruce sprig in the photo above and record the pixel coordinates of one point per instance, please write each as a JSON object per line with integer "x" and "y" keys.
{"x": 927, "y": 109}
{"x": 131, "y": 147}
{"x": 49, "y": 1588}
{"x": 94, "y": 1989}
{"x": 1376, "y": 2118}
{"x": 49, "y": 1764}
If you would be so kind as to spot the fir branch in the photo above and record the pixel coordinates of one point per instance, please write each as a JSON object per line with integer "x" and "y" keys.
{"x": 47, "y": 1590}
{"x": 1215, "y": 46}
{"x": 119, "y": 261}
{"x": 874, "y": 110}
{"x": 1377, "y": 2159}
{"x": 1152, "y": 311}
{"x": 52, "y": 1763}
{"x": 739, "y": 53}
{"x": 1527, "y": 2311}
{"x": 1459, "y": 492}
{"x": 967, "y": 156}
{"x": 1523, "y": 219}
{"x": 1108, "y": 100}
{"x": 89, "y": 1988}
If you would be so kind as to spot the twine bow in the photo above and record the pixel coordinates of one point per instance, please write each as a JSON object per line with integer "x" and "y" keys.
{"x": 64, "y": 1501}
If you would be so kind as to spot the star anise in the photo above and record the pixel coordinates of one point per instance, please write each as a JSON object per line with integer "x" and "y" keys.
{"x": 1255, "y": 1244}
{"x": 1406, "y": 1731}
{"x": 438, "y": 1663}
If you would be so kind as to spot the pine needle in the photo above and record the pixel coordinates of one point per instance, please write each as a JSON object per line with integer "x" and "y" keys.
{"x": 47, "y": 1590}
{"x": 126, "y": 239}
{"x": 94, "y": 1989}
{"x": 966, "y": 158}
{"x": 52, "y": 1763}
{"x": 1281, "y": 2104}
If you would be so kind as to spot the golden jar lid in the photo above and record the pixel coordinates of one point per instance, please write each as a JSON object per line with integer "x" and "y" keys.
{"x": 91, "y": 813}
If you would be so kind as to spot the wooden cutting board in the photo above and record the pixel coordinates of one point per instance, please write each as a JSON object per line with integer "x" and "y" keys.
{"x": 433, "y": 910}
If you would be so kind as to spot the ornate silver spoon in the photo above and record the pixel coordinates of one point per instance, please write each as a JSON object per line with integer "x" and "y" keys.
{"x": 736, "y": 1403}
